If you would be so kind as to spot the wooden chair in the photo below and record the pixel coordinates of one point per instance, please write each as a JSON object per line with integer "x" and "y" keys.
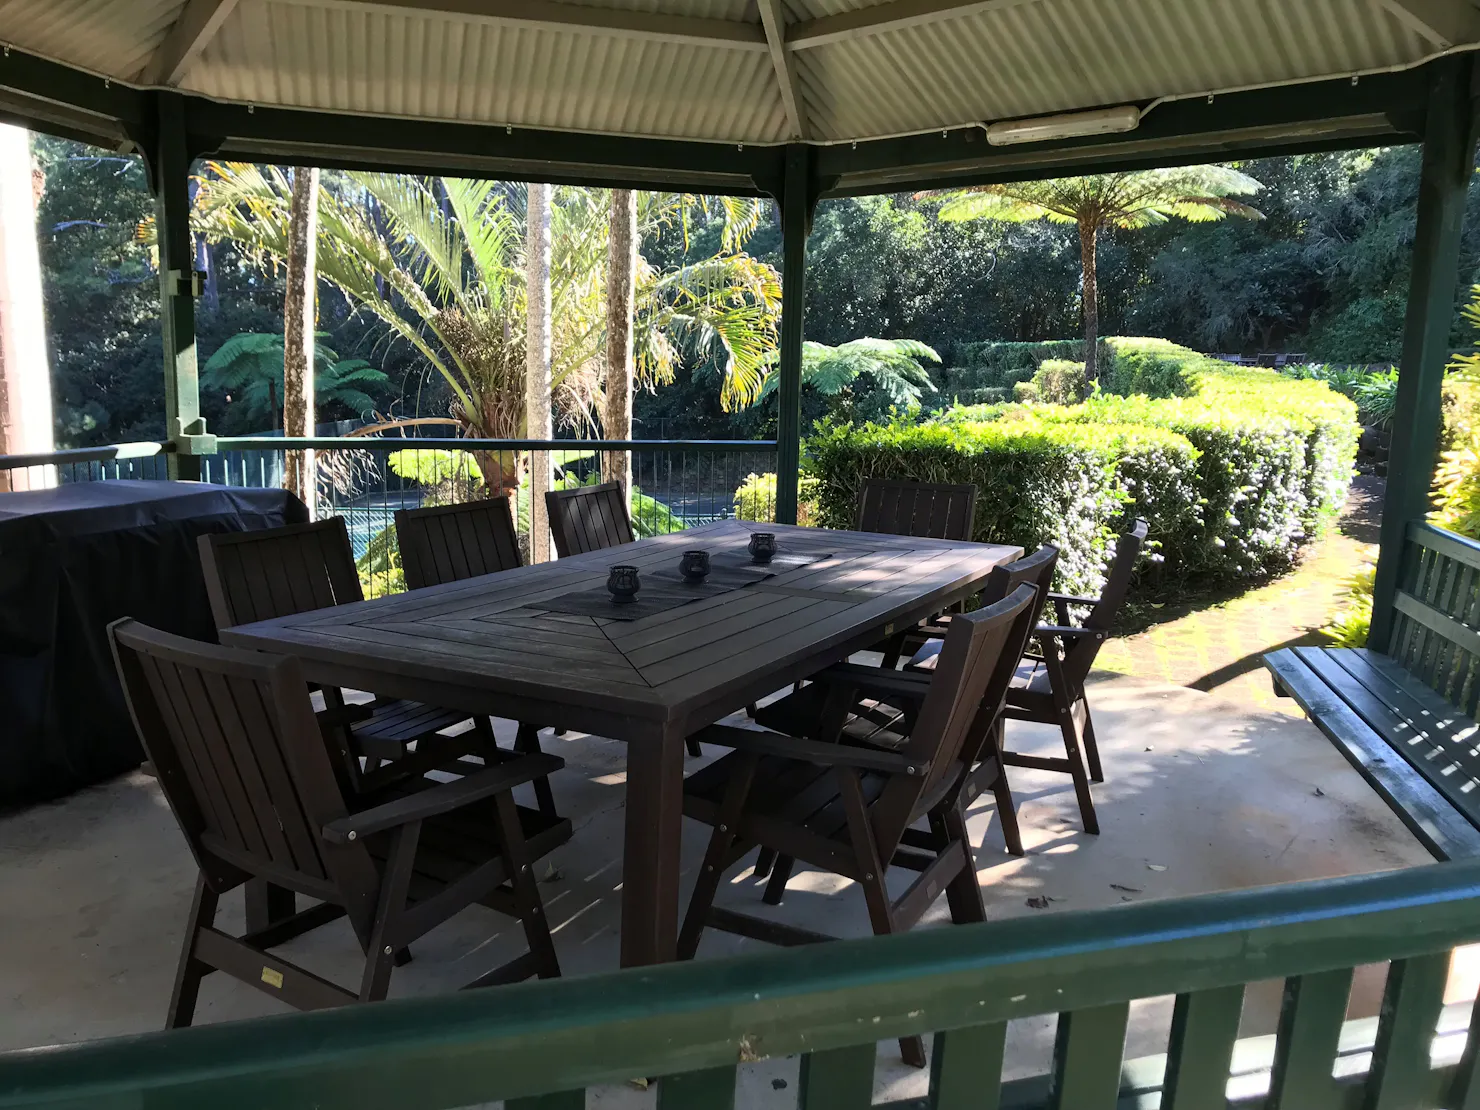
{"x": 849, "y": 808}
{"x": 890, "y": 705}
{"x": 931, "y": 510}
{"x": 1049, "y": 687}
{"x": 233, "y": 737}
{"x": 588, "y": 518}
{"x": 276, "y": 572}
{"x": 448, "y": 543}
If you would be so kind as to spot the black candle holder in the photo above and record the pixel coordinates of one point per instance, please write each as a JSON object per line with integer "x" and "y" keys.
{"x": 694, "y": 566}
{"x": 762, "y": 547}
{"x": 623, "y": 585}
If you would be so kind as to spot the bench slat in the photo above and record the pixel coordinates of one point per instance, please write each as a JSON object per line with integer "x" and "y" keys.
{"x": 1429, "y": 816}
{"x": 1426, "y": 739}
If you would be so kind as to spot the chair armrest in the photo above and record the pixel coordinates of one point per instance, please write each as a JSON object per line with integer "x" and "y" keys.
{"x": 350, "y": 713}
{"x": 442, "y": 798}
{"x": 1067, "y": 633}
{"x": 810, "y": 751}
{"x": 875, "y": 681}
{"x": 1072, "y": 600}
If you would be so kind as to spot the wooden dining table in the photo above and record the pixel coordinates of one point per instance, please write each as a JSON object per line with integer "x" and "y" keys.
{"x": 546, "y": 644}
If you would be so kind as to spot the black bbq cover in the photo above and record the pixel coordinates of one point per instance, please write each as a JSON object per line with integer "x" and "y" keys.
{"x": 72, "y": 559}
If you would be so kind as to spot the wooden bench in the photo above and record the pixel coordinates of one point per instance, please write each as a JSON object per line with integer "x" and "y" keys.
{"x": 1405, "y": 718}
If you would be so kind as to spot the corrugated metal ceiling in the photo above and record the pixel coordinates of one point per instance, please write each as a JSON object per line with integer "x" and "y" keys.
{"x": 923, "y": 67}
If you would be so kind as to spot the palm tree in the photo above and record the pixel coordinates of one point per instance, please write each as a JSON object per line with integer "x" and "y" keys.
{"x": 248, "y": 368}
{"x": 440, "y": 261}
{"x": 300, "y": 312}
{"x": 621, "y": 286}
{"x": 893, "y": 364}
{"x": 1125, "y": 200}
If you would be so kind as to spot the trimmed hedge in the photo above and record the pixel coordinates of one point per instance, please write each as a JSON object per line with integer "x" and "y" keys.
{"x": 1037, "y": 481}
{"x": 1234, "y": 478}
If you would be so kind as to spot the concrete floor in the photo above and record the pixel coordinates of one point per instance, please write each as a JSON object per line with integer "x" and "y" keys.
{"x": 1202, "y": 795}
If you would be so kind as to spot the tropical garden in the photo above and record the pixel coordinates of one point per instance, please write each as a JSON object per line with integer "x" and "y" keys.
{"x": 972, "y": 335}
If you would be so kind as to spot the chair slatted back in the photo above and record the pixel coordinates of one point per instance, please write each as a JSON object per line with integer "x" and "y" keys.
{"x": 1035, "y": 571}
{"x": 240, "y": 759}
{"x": 277, "y": 572}
{"x": 1080, "y": 655}
{"x": 588, "y": 518}
{"x": 978, "y": 652}
{"x": 927, "y": 510}
{"x": 447, "y": 543}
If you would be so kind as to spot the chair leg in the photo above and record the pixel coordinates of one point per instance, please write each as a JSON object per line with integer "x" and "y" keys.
{"x": 764, "y": 861}
{"x": 694, "y": 747}
{"x": 1007, "y": 813}
{"x": 266, "y": 904}
{"x": 780, "y": 876}
{"x": 380, "y": 954}
{"x": 963, "y": 893}
{"x": 526, "y": 894}
{"x": 191, "y": 971}
{"x": 1076, "y": 771}
{"x": 875, "y": 896}
{"x": 712, "y": 869}
{"x": 527, "y": 742}
{"x": 1091, "y": 749}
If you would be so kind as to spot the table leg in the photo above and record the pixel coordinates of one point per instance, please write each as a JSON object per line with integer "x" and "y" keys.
{"x": 650, "y": 855}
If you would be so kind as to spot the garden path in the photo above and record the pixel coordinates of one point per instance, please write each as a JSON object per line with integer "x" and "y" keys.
{"x": 1216, "y": 646}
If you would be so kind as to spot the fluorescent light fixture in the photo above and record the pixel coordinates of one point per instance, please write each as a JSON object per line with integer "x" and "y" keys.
{"x": 1070, "y": 125}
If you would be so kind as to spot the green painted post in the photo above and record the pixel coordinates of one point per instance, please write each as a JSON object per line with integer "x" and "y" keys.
{"x": 797, "y": 199}
{"x": 171, "y": 180}
{"x": 1448, "y": 163}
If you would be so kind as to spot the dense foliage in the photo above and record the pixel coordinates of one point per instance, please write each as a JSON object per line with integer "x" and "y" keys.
{"x": 1325, "y": 272}
{"x": 1234, "y": 478}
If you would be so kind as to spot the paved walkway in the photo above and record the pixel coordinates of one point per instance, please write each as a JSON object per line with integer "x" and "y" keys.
{"x": 1217, "y": 648}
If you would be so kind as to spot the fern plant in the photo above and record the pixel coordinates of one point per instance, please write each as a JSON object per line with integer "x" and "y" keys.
{"x": 248, "y": 369}
{"x": 894, "y": 367}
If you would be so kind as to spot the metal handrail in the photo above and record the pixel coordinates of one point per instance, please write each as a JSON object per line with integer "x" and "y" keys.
{"x": 395, "y": 443}
{"x": 562, "y": 1035}
{"x": 107, "y": 453}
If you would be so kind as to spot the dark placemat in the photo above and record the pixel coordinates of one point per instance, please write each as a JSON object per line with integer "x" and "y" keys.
{"x": 653, "y": 598}
{"x": 664, "y": 588}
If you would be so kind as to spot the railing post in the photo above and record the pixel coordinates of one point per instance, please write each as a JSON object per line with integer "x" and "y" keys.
{"x": 798, "y": 198}
{"x": 1448, "y": 164}
{"x": 170, "y": 176}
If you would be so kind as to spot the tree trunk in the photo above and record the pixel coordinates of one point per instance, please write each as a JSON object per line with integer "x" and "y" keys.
{"x": 621, "y": 282}
{"x": 537, "y": 384}
{"x": 25, "y": 380}
{"x": 1088, "y": 227}
{"x": 299, "y": 316}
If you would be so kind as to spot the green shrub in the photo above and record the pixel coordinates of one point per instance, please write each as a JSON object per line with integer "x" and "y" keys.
{"x": 1061, "y": 382}
{"x": 1038, "y": 482}
{"x": 1026, "y": 392}
{"x": 993, "y": 365}
{"x": 988, "y": 395}
{"x": 756, "y": 499}
{"x": 1271, "y": 460}
{"x": 1147, "y": 368}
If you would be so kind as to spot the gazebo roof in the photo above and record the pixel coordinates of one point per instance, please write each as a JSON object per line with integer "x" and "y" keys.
{"x": 733, "y": 71}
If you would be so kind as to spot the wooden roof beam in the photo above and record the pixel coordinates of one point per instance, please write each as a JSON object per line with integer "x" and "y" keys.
{"x": 1444, "y": 23}
{"x": 773, "y": 21}
{"x": 198, "y": 23}
{"x": 654, "y": 26}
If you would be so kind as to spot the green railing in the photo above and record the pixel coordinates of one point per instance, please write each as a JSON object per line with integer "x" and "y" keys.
{"x": 1436, "y": 612}
{"x": 538, "y": 1046}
